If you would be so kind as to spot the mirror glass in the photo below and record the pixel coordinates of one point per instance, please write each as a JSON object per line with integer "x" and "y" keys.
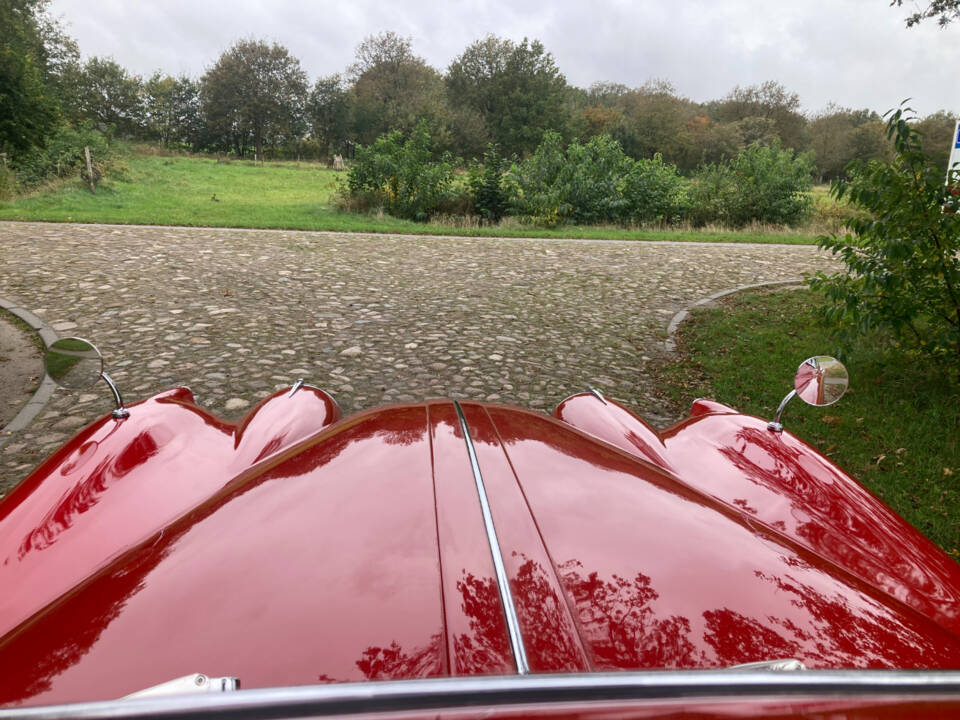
{"x": 73, "y": 363}
{"x": 821, "y": 380}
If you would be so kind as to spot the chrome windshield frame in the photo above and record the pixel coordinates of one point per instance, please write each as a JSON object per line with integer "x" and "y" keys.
{"x": 479, "y": 693}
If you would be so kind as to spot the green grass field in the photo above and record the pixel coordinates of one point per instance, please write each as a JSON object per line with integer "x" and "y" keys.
{"x": 897, "y": 430}
{"x": 197, "y": 191}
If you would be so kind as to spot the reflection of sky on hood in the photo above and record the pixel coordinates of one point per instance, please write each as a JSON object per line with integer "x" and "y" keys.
{"x": 851, "y": 52}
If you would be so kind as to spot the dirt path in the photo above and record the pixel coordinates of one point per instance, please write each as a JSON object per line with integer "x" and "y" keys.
{"x": 235, "y": 314}
{"x": 21, "y": 366}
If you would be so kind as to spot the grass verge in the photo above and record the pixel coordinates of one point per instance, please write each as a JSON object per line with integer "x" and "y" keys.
{"x": 200, "y": 192}
{"x": 897, "y": 430}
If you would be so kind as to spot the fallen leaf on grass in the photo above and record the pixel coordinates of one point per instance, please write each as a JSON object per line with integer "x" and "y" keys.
{"x": 830, "y": 419}
{"x": 879, "y": 459}
{"x": 947, "y": 472}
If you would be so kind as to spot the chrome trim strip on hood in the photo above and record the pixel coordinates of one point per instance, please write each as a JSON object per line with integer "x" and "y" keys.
{"x": 506, "y": 597}
{"x": 484, "y": 693}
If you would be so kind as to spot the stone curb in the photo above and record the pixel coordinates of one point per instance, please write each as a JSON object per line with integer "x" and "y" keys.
{"x": 40, "y": 398}
{"x": 669, "y": 344}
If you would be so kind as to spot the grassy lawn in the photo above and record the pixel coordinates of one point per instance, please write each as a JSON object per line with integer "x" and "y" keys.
{"x": 201, "y": 192}
{"x": 897, "y": 430}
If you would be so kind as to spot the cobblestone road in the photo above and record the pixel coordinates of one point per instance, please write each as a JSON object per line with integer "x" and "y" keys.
{"x": 235, "y": 314}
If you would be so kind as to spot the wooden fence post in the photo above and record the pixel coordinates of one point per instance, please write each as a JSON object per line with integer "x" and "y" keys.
{"x": 86, "y": 151}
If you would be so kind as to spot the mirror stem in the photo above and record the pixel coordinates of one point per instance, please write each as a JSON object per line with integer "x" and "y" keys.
{"x": 120, "y": 411}
{"x": 775, "y": 425}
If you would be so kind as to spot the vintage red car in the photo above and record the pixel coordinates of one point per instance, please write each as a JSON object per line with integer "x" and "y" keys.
{"x": 473, "y": 559}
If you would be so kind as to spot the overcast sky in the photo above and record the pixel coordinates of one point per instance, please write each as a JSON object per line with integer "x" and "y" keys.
{"x": 856, "y": 53}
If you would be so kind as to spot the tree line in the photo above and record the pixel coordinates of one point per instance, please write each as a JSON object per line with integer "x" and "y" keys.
{"x": 256, "y": 100}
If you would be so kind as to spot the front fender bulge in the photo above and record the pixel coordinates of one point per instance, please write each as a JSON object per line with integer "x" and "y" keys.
{"x": 119, "y": 481}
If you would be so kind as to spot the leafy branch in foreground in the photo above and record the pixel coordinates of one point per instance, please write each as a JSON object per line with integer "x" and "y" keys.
{"x": 945, "y": 11}
{"x": 902, "y": 263}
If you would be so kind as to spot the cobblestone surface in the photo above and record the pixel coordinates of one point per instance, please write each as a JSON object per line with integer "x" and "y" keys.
{"x": 236, "y": 314}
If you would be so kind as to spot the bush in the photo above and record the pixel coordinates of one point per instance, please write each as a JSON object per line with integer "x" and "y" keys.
{"x": 901, "y": 256}
{"x": 487, "y": 191}
{"x": 653, "y": 191}
{"x": 63, "y": 156}
{"x": 593, "y": 183}
{"x": 533, "y": 184}
{"x": 765, "y": 183}
{"x": 402, "y": 176}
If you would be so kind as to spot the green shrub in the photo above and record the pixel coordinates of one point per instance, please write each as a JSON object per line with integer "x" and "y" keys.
{"x": 487, "y": 191}
{"x": 713, "y": 193}
{"x": 402, "y": 177}
{"x": 63, "y": 156}
{"x": 533, "y": 185}
{"x": 765, "y": 183}
{"x": 901, "y": 256}
{"x": 653, "y": 191}
{"x": 593, "y": 183}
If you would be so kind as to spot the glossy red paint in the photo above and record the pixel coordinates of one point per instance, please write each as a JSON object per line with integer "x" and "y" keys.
{"x": 476, "y": 629}
{"x": 547, "y": 624}
{"x": 316, "y": 566}
{"x": 781, "y": 482}
{"x": 297, "y": 548}
{"x": 118, "y": 482}
{"x": 662, "y": 575}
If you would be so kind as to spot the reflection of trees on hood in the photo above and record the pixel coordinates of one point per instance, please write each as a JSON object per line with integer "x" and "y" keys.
{"x": 621, "y": 628}
{"x": 547, "y": 628}
{"x": 861, "y": 634}
{"x": 486, "y": 648}
{"x": 736, "y": 638}
{"x": 826, "y": 520}
{"x": 393, "y": 663}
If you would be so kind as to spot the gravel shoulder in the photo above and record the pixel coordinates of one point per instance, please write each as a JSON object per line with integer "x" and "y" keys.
{"x": 236, "y": 314}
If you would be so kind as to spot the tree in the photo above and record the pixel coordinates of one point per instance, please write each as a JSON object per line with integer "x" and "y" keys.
{"x": 376, "y": 51}
{"x": 902, "y": 256}
{"x": 708, "y": 142}
{"x": 516, "y": 89}
{"x": 393, "y": 89}
{"x": 654, "y": 121}
{"x": 936, "y": 133}
{"x": 28, "y": 102}
{"x": 945, "y": 11}
{"x": 105, "y": 94}
{"x": 158, "y": 107}
{"x": 328, "y": 112}
{"x": 172, "y": 113}
{"x": 769, "y": 100}
{"x": 255, "y": 95}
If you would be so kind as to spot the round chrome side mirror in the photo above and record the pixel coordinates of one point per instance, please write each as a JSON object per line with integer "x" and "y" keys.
{"x": 820, "y": 380}
{"x": 76, "y": 364}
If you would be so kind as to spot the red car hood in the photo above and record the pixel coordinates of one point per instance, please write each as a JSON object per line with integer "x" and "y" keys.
{"x": 173, "y": 543}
